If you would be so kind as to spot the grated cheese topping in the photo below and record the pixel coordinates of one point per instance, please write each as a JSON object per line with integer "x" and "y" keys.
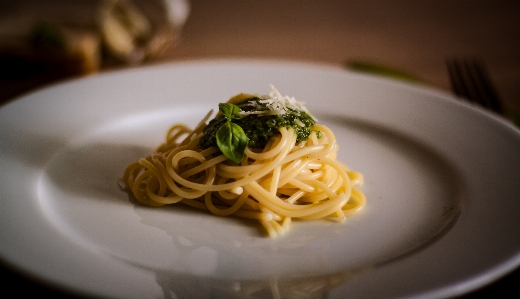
{"x": 277, "y": 105}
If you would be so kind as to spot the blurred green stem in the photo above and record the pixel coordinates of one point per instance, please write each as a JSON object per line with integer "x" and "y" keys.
{"x": 394, "y": 73}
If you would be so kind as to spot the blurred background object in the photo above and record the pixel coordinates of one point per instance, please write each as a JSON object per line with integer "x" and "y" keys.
{"x": 132, "y": 33}
{"x": 45, "y": 40}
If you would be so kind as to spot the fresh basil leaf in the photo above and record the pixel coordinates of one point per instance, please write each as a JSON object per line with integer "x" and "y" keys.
{"x": 229, "y": 111}
{"x": 232, "y": 141}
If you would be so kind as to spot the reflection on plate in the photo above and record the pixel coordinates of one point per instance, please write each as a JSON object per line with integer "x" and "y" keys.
{"x": 436, "y": 223}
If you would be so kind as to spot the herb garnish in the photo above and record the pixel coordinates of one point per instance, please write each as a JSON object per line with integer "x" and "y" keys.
{"x": 251, "y": 121}
{"x": 231, "y": 138}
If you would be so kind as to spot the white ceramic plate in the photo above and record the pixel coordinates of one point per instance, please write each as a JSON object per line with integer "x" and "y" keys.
{"x": 441, "y": 180}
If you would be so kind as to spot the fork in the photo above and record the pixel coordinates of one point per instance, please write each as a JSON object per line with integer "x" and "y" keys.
{"x": 469, "y": 80}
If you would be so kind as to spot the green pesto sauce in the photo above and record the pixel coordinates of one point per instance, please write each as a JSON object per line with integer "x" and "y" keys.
{"x": 260, "y": 129}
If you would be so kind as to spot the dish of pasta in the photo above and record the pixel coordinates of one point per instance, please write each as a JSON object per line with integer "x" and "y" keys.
{"x": 262, "y": 157}
{"x": 278, "y": 171}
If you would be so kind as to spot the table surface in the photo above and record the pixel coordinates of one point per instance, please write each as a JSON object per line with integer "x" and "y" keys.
{"x": 413, "y": 36}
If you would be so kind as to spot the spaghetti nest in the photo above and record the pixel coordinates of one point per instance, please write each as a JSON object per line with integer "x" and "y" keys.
{"x": 285, "y": 180}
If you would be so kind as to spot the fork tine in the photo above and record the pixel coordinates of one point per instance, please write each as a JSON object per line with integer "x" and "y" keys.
{"x": 487, "y": 91}
{"x": 457, "y": 80}
{"x": 469, "y": 80}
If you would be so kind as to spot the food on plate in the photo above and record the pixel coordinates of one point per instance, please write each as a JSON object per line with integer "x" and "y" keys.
{"x": 51, "y": 50}
{"x": 261, "y": 157}
{"x": 58, "y": 39}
